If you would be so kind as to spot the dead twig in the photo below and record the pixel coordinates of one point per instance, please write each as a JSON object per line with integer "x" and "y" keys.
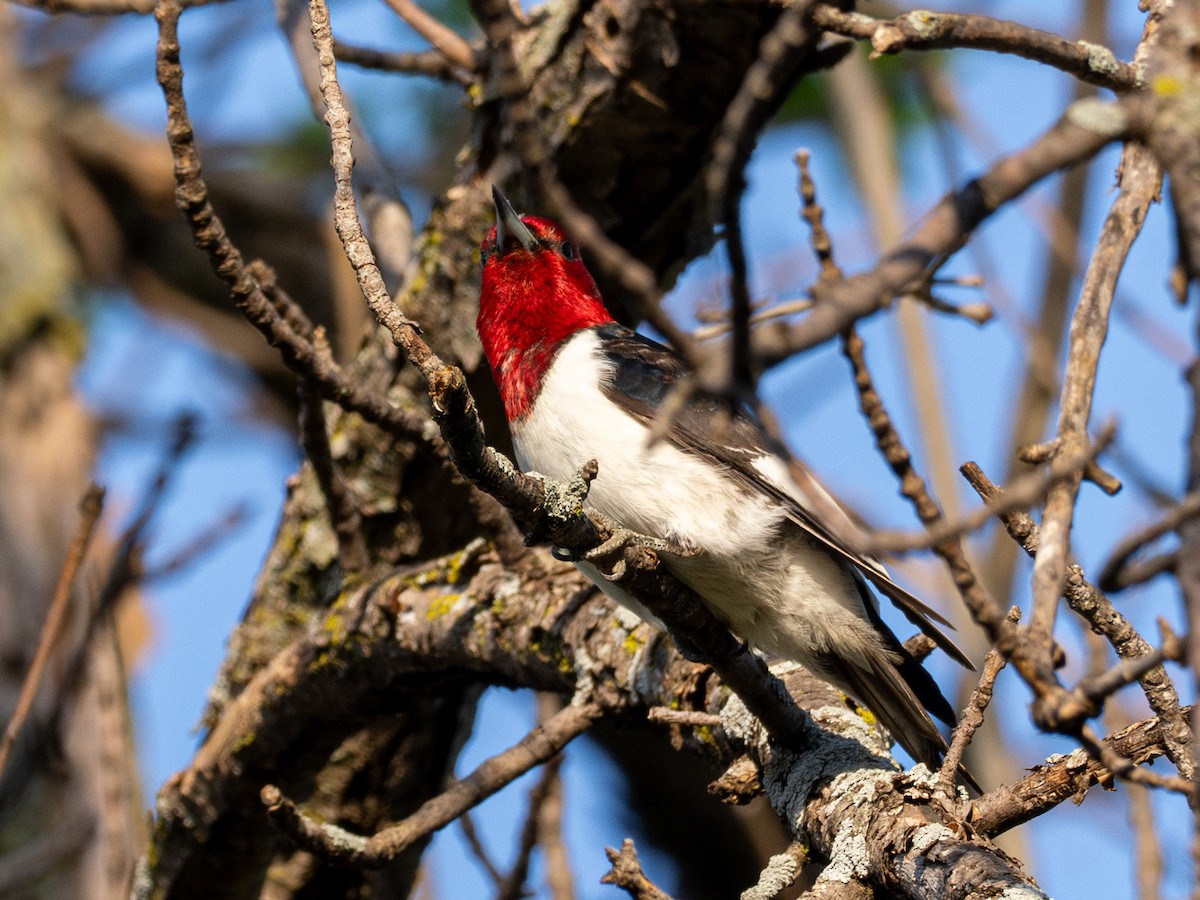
{"x": 1083, "y": 131}
{"x": 90, "y": 508}
{"x": 443, "y": 39}
{"x": 1063, "y": 778}
{"x": 197, "y": 546}
{"x": 924, "y": 30}
{"x": 814, "y": 215}
{"x": 252, "y": 286}
{"x": 1089, "y": 326}
{"x": 983, "y": 608}
{"x": 513, "y": 887}
{"x": 557, "y": 862}
{"x": 1025, "y": 492}
{"x": 1114, "y": 572}
{"x": 627, "y": 874}
{"x": 427, "y": 62}
{"x": 467, "y": 824}
{"x": 1086, "y": 600}
{"x": 338, "y": 845}
{"x": 757, "y": 97}
{"x": 972, "y": 718}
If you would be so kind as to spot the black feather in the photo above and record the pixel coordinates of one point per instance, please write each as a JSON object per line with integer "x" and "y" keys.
{"x": 644, "y": 373}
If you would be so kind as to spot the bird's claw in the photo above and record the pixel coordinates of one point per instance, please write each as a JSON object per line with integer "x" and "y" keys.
{"x": 619, "y": 539}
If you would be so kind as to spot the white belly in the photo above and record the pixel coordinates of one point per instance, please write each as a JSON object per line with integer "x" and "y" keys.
{"x": 758, "y": 572}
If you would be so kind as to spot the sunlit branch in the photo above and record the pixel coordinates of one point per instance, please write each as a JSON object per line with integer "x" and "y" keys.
{"x": 444, "y": 40}
{"x": 426, "y": 62}
{"x": 338, "y": 845}
{"x": 1102, "y": 617}
{"x": 1063, "y": 778}
{"x": 1080, "y": 134}
{"x": 925, "y": 30}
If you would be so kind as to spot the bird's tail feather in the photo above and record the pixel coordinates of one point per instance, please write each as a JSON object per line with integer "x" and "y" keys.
{"x": 890, "y": 693}
{"x": 880, "y": 686}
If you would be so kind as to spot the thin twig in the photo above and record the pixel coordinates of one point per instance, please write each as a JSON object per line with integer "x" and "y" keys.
{"x": 1089, "y": 327}
{"x": 198, "y": 545}
{"x": 1139, "y": 571}
{"x": 252, "y": 286}
{"x": 467, "y": 823}
{"x": 627, "y": 874}
{"x": 1113, "y": 573}
{"x": 388, "y": 216}
{"x": 1081, "y": 133}
{"x": 338, "y": 845}
{"x": 1097, "y": 610}
{"x": 513, "y": 887}
{"x": 867, "y": 134}
{"x": 90, "y": 508}
{"x": 724, "y": 178}
{"x": 444, "y": 40}
{"x": 983, "y": 608}
{"x": 924, "y": 30}
{"x": 814, "y": 215}
{"x": 1127, "y": 769}
{"x": 787, "y": 308}
{"x": 555, "y": 859}
{"x": 972, "y": 717}
{"x": 1026, "y": 491}
{"x": 344, "y": 514}
{"x": 427, "y": 62}
{"x": 1148, "y": 856}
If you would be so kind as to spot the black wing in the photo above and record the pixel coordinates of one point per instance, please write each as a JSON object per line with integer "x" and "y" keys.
{"x": 642, "y": 377}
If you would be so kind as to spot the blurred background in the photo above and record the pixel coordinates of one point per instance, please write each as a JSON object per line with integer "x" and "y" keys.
{"x": 113, "y": 323}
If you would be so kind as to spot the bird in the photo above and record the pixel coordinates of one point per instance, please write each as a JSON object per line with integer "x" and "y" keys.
{"x": 740, "y": 515}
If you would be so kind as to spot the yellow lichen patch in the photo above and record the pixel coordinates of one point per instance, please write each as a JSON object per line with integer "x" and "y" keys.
{"x": 455, "y": 565}
{"x": 442, "y": 605}
{"x": 334, "y": 628}
{"x": 705, "y": 736}
{"x": 1166, "y": 86}
{"x": 631, "y": 644}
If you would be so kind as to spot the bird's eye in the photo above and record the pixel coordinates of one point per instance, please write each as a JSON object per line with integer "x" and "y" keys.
{"x": 568, "y": 251}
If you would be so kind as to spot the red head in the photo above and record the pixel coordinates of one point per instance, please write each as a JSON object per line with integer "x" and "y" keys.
{"x": 536, "y": 293}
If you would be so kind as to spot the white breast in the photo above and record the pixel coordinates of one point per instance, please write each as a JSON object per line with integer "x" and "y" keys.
{"x": 659, "y": 490}
{"x": 766, "y": 578}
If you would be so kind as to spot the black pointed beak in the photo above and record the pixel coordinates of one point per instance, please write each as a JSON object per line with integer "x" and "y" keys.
{"x": 511, "y": 232}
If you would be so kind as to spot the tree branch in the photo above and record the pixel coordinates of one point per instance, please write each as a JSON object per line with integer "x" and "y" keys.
{"x": 1065, "y": 778}
{"x": 336, "y": 845}
{"x": 1086, "y": 127}
{"x": 924, "y": 30}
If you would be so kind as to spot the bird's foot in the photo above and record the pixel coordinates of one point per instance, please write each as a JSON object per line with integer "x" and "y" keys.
{"x": 618, "y": 540}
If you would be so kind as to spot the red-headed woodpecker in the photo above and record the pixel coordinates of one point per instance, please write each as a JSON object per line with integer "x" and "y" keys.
{"x": 578, "y": 386}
